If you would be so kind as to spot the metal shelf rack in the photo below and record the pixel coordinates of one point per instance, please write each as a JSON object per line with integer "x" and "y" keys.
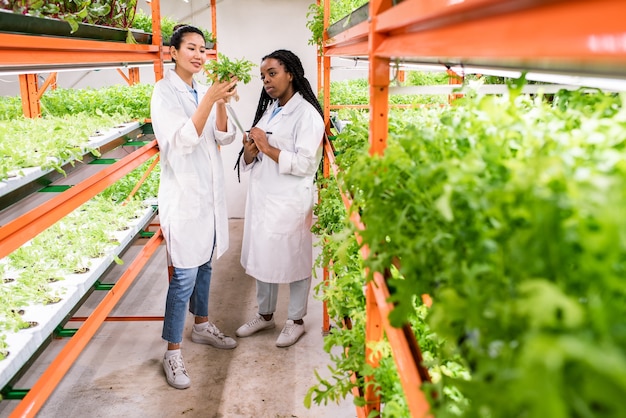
{"x": 28, "y": 55}
{"x": 575, "y": 37}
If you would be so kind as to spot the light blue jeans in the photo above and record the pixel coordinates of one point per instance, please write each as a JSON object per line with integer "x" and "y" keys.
{"x": 187, "y": 286}
{"x": 267, "y": 298}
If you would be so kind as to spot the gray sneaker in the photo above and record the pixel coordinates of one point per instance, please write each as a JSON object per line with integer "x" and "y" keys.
{"x": 175, "y": 371}
{"x": 254, "y": 325}
{"x": 290, "y": 334}
{"x": 212, "y": 336}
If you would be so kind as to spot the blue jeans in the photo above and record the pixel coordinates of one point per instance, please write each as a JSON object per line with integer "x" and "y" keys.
{"x": 186, "y": 286}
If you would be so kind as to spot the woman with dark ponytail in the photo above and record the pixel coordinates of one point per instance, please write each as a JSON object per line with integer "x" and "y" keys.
{"x": 190, "y": 123}
{"x": 282, "y": 152}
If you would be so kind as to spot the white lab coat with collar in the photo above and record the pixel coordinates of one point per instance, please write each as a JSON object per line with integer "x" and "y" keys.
{"x": 277, "y": 240}
{"x": 192, "y": 202}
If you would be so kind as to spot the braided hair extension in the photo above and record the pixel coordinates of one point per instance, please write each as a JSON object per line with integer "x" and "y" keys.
{"x": 300, "y": 83}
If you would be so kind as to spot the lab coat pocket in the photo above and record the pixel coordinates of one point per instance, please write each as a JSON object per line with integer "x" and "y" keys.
{"x": 283, "y": 214}
{"x": 283, "y": 143}
{"x": 187, "y": 199}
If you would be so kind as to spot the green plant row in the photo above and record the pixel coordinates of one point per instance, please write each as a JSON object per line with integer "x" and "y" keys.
{"x": 345, "y": 300}
{"x": 143, "y": 22}
{"x": 68, "y": 247}
{"x": 508, "y": 211}
{"x": 117, "y": 14}
{"x": 356, "y": 92}
{"x": 131, "y": 101}
{"x": 45, "y": 142}
{"x": 111, "y": 13}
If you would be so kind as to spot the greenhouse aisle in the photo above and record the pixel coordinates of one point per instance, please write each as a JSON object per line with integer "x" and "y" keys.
{"x": 120, "y": 374}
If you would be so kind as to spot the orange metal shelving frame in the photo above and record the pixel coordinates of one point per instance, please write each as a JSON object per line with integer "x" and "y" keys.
{"x": 17, "y": 232}
{"x": 38, "y": 53}
{"x": 580, "y": 37}
{"x": 32, "y": 54}
{"x": 404, "y": 347}
{"x": 35, "y": 53}
{"x": 44, "y": 52}
{"x": 563, "y": 36}
{"x": 27, "y": 54}
{"x": 47, "y": 52}
{"x": 20, "y": 230}
{"x": 47, "y": 382}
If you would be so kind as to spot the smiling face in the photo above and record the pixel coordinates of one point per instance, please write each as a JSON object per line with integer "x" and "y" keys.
{"x": 276, "y": 80}
{"x": 190, "y": 56}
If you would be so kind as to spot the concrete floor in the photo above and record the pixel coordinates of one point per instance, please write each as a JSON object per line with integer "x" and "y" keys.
{"x": 119, "y": 374}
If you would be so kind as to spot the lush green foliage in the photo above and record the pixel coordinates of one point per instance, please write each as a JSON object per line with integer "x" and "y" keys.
{"x": 10, "y": 107}
{"x": 224, "y": 67}
{"x": 45, "y": 142}
{"x": 508, "y": 211}
{"x": 338, "y": 10}
{"x": 426, "y": 78}
{"x": 120, "y": 191}
{"x": 345, "y": 300}
{"x": 131, "y": 101}
{"x": 342, "y": 8}
{"x": 143, "y": 22}
{"x": 117, "y": 14}
{"x": 28, "y": 275}
{"x": 315, "y": 23}
{"x": 356, "y": 92}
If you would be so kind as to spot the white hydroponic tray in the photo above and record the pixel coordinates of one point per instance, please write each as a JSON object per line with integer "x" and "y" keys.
{"x": 27, "y": 175}
{"x": 24, "y": 343}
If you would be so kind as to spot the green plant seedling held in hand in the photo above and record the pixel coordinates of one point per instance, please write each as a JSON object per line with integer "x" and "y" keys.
{"x": 224, "y": 68}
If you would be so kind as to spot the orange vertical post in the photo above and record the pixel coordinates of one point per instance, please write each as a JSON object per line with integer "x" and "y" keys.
{"x": 379, "y": 112}
{"x": 157, "y": 38}
{"x": 378, "y": 81}
{"x": 454, "y": 79}
{"x": 324, "y": 65}
{"x": 373, "y": 333}
{"x": 133, "y": 75}
{"x": 379, "y": 98}
{"x": 326, "y": 275}
{"x": 214, "y": 23}
{"x": 29, "y": 89}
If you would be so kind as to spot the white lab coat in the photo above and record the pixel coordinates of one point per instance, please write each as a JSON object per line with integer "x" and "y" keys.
{"x": 192, "y": 202}
{"x": 277, "y": 240}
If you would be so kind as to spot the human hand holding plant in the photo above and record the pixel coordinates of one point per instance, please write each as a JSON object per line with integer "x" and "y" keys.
{"x": 222, "y": 90}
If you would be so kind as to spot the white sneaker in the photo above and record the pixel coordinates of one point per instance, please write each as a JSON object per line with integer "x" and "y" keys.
{"x": 254, "y": 325}
{"x": 175, "y": 371}
{"x": 211, "y": 335}
{"x": 290, "y": 334}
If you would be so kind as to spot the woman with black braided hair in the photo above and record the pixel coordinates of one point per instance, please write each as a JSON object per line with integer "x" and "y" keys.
{"x": 282, "y": 151}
